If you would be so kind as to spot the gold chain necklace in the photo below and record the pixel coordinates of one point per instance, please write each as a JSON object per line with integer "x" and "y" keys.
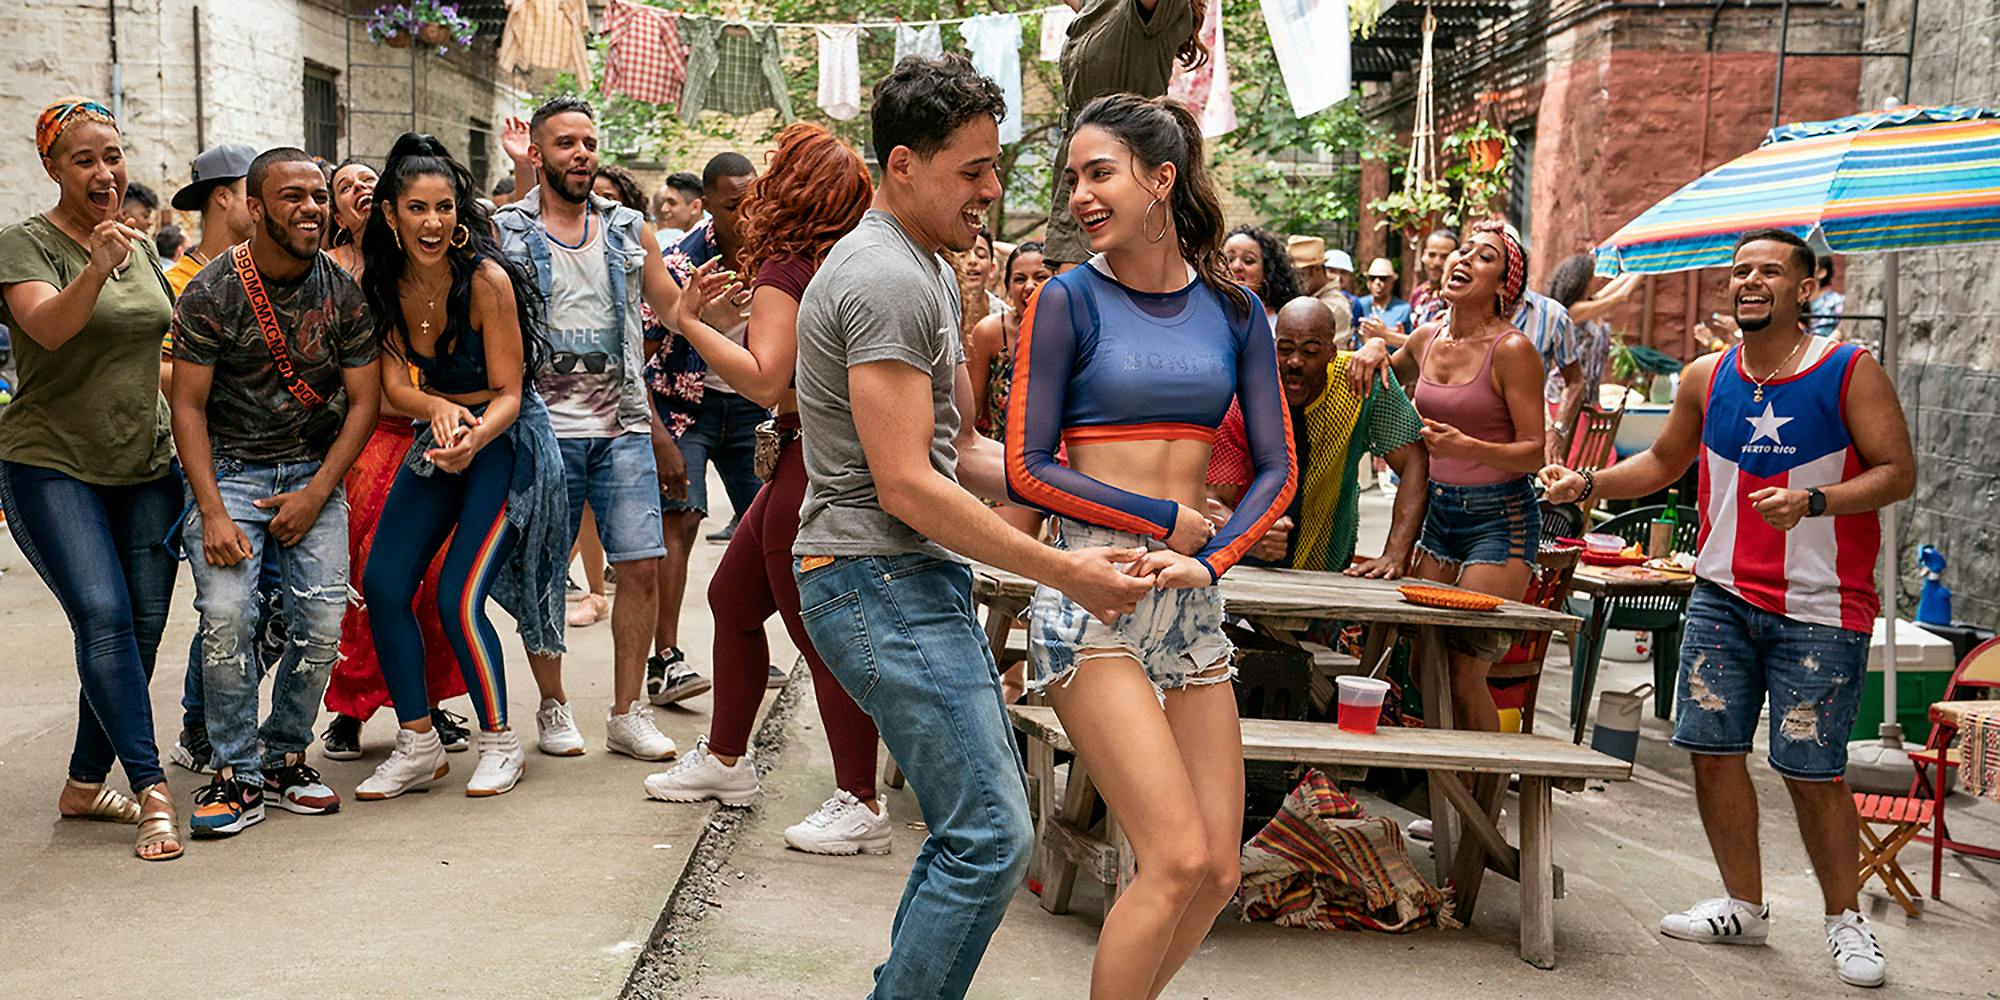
{"x": 1757, "y": 395}
{"x": 430, "y": 305}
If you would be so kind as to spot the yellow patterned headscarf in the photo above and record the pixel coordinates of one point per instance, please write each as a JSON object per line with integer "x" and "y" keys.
{"x": 62, "y": 114}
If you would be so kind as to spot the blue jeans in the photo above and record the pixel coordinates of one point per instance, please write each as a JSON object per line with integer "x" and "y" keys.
{"x": 724, "y": 433}
{"x": 1734, "y": 653}
{"x": 101, "y": 550}
{"x": 899, "y": 634}
{"x": 618, "y": 478}
{"x": 1482, "y": 525}
{"x": 313, "y": 578}
{"x": 271, "y": 644}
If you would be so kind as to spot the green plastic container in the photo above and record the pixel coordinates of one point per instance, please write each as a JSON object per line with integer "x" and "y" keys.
{"x": 1923, "y": 672}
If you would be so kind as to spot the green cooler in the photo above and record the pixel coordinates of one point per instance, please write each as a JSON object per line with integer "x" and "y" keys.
{"x": 1923, "y": 671}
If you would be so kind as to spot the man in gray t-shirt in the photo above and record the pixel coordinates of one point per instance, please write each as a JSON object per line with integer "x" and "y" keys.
{"x": 886, "y": 602}
{"x": 878, "y": 297}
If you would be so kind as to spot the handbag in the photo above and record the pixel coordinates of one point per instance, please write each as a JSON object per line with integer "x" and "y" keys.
{"x": 771, "y": 442}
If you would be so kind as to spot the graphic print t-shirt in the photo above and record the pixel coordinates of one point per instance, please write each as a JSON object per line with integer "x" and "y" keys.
{"x": 252, "y": 414}
{"x": 586, "y": 376}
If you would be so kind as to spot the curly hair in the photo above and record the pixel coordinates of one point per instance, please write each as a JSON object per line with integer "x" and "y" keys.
{"x": 813, "y": 193}
{"x": 923, "y": 101}
{"x": 630, "y": 194}
{"x": 1281, "y": 279}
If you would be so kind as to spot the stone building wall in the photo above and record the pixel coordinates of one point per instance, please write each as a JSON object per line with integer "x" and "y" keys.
{"x": 254, "y": 55}
{"x": 1950, "y": 341}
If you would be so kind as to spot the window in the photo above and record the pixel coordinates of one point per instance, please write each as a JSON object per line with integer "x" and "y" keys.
{"x": 1520, "y": 192}
{"x": 478, "y": 159}
{"x": 322, "y": 112}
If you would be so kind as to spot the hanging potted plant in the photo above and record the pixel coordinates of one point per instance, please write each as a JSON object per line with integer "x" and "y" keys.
{"x": 1479, "y": 157}
{"x": 390, "y": 25}
{"x": 1415, "y": 209}
{"x": 439, "y": 25}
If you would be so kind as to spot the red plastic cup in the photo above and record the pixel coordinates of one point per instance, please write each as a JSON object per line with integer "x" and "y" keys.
{"x": 1360, "y": 707}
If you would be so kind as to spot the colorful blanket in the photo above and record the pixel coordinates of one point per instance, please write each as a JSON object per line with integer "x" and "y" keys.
{"x": 1979, "y": 739}
{"x": 1323, "y": 863}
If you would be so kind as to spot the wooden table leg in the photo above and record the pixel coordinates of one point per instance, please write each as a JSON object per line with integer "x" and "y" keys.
{"x": 1583, "y": 675}
{"x": 1058, "y": 872}
{"x": 1538, "y": 900}
{"x": 1042, "y": 779}
{"x": 1000, "y": 615}
{"x": 1434, "y": 678}
{"x": 1468, "y": 869}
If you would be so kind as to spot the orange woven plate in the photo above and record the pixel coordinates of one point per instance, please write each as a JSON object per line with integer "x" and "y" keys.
{"x": 1445, "y": 597}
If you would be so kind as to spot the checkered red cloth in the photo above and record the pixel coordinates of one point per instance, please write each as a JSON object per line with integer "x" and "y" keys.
{"x": 644, "y": 56}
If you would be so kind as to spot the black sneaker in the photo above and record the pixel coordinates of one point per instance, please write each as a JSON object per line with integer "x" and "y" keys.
{"x": 451, "y": 730}
{"x": 342, "y": 739}
{"x": 670, "y": 680}
{"x": 722, "y": 537}
{"x": 192, "y": 751}
{"x": 298, "y": 788}
{"x": 225, "y": 807}
{"x": 775, "y": 679}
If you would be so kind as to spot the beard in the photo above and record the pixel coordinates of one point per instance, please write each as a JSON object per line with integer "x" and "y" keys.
{"x": 1752, "y": 325}
{"x": 299, "y": 247}
{"x": 558, "y": 183}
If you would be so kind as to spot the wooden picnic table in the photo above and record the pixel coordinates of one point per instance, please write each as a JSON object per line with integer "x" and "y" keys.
{"x": 1608, "y": 591}
{"x": 1287, "y": 601}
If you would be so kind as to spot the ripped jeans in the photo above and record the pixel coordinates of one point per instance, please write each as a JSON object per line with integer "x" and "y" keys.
{"x": 1175, "y": 635}
{"x": 313, "y": 578}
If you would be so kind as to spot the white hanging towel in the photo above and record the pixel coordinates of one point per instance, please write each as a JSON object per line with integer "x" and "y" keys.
{"x": 839, "y": 70}
{"x": 1314, "y": 51}
{"x": 924, "y": 42}
{"x": 1206, "y": 90}
{"x": 1055, "y": 31}
{"x": 995, "y": 41}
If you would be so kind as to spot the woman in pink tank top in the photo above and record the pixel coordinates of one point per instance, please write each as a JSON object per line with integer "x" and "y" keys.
{"x": 1479, "y": 391}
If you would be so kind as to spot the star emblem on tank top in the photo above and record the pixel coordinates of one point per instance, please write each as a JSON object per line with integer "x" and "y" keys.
{"x": 1766, "y": 426}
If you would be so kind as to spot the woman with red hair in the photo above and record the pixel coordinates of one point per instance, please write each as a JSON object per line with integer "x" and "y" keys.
{"x": 814, "y": 191}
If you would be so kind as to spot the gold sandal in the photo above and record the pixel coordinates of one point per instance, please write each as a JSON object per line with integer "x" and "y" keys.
{"x": 159, "y": 827}
{"x": 109, "y": 805}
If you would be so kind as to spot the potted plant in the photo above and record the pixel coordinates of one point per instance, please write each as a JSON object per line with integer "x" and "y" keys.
{"x": 1415, "y": 209}
{"x": 438, "y": 24}
{"x": 390, "y": 25}
{"x": 1478, "y": 158}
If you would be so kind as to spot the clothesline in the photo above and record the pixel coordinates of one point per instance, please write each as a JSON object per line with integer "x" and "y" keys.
{"x": 891, "y": 23}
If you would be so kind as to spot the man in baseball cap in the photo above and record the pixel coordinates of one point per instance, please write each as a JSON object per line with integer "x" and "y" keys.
{"x": 216, "y": 191}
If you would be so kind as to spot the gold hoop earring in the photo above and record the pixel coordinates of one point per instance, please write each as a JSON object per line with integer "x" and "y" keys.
{"x": 398, "y": 234}
{"x": 460, "y": 236}
{"x": 1166, "y": 220}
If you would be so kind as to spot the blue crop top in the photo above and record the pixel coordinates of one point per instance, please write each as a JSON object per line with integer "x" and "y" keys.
{"x": 1097, "y": 361}
{"x": 461, "y": 371}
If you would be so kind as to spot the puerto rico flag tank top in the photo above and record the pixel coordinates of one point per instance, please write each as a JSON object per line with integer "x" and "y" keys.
{"x": 1822, "y": 571}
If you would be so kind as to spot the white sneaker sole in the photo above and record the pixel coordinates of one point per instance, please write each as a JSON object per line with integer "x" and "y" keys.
{"x": 674, "y": 696}
{"x": 736, "y": 800}
{"x": 575, "y": 751}
{"x": 442, "y": 770}
{"x": 487, "y": 793}
{"x": 1866, "y": 984}
{"x": 1737, "y": 939}
{"x": 840, "y": 850}
{"x": 633, "y": 752}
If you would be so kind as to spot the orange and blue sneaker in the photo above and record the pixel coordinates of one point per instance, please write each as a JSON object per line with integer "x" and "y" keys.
{"x": 225, "y": 807}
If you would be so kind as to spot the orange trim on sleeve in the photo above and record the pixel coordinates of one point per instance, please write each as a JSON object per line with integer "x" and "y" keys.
{"x": 1221, "y": 560}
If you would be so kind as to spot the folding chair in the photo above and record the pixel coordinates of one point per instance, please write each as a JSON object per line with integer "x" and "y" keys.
{"x": 1979, "y": 670}
{"x": 1903, "y": 817}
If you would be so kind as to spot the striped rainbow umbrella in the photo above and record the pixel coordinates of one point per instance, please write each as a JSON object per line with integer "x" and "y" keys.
{"x": 1900, "y": 179}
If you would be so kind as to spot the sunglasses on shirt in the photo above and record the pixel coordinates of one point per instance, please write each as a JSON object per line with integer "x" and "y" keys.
{"x": 595, "y": 362}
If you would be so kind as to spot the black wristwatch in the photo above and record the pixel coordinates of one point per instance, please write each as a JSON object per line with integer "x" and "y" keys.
{"x": 1815, "y": 502}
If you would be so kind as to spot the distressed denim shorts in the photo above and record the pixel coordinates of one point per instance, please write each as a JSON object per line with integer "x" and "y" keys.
{"x": 1482, "y": 525}
{"x": 1734, "y": 654}
{"x": 617, "y": 478}
{"x": 1175, "y": 635}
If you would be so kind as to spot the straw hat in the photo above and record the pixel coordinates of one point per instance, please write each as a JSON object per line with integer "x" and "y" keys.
{"x": 1306, "y": 251}
{"x": 1381, "y": 268}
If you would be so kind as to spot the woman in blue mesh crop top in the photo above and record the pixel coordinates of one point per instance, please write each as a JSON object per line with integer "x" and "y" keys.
{"x": 1128, "y": 363}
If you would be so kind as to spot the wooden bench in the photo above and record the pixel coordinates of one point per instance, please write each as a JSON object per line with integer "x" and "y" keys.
{"x": 1065, "y": 842}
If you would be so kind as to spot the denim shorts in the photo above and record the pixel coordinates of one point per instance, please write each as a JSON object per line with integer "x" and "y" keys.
{"x": 1482, "y": 525}
{"x": 1734, "y": 653}
{"x": 724, "y": 434}
{"x": 1174, "y": 634}
{"x": 620, "y": 481}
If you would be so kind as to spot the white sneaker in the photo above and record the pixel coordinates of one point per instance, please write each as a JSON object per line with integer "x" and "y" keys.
{"x": 1719, "y": 921}
{"x": 634, "y": 734}
{"x": 501, "y": 761}
{"x": 416, "y": 761}
{"x": 559, "y": 735}
{"x": 841, "y": 826}
{"x": 700, "y": 776}
{"x": 1856, "y": 956}
{"x": 1426, "y": 831}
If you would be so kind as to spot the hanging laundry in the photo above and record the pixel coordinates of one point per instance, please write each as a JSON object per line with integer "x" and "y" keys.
{"x": 734, "y": 68}
{"x": 839, "y": 70}
{"x": 1205, "y": 90}
{"x": 995, "y": 41}
{"x": 547, "y": 34}
{"x": 1055, "y": 31}
{"x": 924, "y": 42}
{"x": 1313, "y": 49}
{"x": 643, "y": 53}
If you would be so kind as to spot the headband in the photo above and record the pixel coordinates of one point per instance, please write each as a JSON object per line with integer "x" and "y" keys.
{"x": 56, "y": 117}
{"x": 1514, "y": 279}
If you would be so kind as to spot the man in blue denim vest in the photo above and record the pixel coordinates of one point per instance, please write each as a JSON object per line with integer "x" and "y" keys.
{"x": 888, "y": 522}
{"x": 275, "y": 391}
{"x": 597, "y": 261}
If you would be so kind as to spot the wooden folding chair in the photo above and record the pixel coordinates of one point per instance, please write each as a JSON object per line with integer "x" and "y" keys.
{"x": 1903, "y": 817}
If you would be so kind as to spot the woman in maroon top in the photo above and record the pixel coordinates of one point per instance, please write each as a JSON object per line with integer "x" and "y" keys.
{"x": 813, "y": 193}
